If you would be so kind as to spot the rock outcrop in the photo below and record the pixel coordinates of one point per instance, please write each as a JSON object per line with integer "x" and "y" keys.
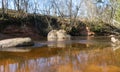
{"x": 16, "y": 42}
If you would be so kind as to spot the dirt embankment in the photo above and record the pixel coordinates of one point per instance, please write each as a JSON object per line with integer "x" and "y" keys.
{"x": 38, "y": 26}
{"x": 16, "y": 31}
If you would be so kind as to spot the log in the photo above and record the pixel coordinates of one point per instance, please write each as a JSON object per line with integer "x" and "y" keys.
{"x": 16, "y": 42}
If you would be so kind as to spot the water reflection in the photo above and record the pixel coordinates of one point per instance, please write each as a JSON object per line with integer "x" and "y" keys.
{"x": 115, "y": 46}
{"x": 15, "y": 49}
{"x": 66, "y": 43}
{"x": 75, "y": 57}
{"x": 59, "y": 44}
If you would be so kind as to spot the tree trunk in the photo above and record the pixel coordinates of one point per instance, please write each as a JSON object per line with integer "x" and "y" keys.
{"x": 3, "y": 9}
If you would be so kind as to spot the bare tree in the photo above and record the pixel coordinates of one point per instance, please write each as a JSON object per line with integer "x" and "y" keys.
{"x": 26, "y": 2}
{"x": 68, "y": 9}
{"x": 17, "y": 4}
{"x": 69, "y": 5}
{"x": 3, "y": 8}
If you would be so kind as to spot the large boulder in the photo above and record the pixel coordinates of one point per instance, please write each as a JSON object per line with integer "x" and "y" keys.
{"x": 62, "y": 35}
{"x": 52, "y": 35}
{"x": 58, "y": 38}
{"x": 58, "y": 35}
{"x": 16, "y": 42}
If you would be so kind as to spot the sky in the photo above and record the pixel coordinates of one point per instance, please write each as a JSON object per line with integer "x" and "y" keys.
{"x": 44, "y": 4}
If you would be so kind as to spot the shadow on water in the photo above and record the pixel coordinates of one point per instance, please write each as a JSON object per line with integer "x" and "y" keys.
{"x": 81, "y": 54}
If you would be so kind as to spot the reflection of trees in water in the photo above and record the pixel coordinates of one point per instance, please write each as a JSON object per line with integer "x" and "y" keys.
{"x": 59, "y": 44}
{"x": 68, "y": 43}
{"x": 70, "y": 60}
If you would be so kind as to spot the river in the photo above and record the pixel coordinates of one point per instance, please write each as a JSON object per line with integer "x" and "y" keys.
{"x": 81, "y": 54}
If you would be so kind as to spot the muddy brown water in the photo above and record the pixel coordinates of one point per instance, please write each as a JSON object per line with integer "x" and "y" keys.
{"x": 81, "y": 54}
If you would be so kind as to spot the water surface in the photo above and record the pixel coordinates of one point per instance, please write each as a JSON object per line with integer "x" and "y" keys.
{"x": 81, "y": 54}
